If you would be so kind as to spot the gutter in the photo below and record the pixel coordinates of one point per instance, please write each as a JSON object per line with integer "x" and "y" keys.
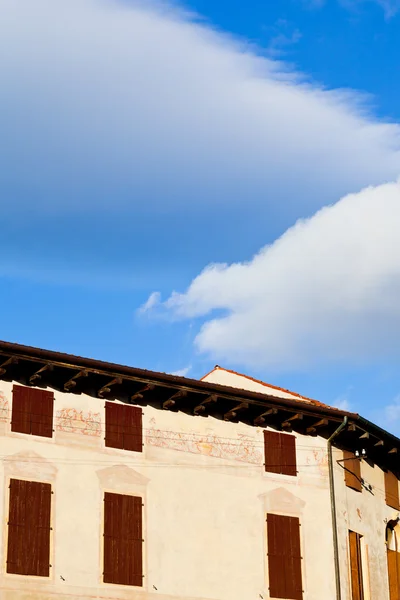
{"x": 333, "y": 507}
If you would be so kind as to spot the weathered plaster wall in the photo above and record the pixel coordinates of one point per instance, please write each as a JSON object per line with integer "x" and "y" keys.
{"x": 205, "y": 497}
{"x": 367, "y": 514}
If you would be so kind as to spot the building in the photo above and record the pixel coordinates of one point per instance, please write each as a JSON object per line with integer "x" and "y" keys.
{"x": 124, "y": 483}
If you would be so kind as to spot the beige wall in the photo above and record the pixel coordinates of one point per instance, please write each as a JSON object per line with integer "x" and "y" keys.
{"x": 205, "y": 497}
{"x": 367, "y": 514}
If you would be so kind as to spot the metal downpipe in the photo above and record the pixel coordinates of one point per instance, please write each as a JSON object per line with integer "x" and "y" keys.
{"x": 333, "y": 508}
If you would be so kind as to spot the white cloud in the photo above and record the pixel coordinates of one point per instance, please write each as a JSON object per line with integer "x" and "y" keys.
{"x": 182, "y": 372}
{"x": 135, "y": 106}
{"x": 328, "y": 290}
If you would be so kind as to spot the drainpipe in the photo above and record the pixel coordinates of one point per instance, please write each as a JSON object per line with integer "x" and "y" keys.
{"x": 333, "y": 508}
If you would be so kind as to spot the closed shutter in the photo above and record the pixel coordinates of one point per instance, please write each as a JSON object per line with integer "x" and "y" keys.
{"x": 284, "y": 557}
{"x": 123, "y": 544}
{"x": 288, "y": 454}
{"x": 21, "y": 410}
{"x": 32, "y": 411}
{"x": 272, "y": 451}
{"x": 133, "y": 428}
{"x": 393, "y": 560}
{"x": 28, "y": 551}
{"x": 124, "y": 427}
{"x": 352, "y": 473}
{"x": 357, "y": 591}
{"x": 280, "y": 453}
{"x": 114, "y": 425}
{"x": 392, "y": 490}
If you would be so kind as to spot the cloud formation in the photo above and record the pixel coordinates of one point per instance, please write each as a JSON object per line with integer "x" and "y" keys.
{"x": 136, "y": 106}
{"x": 327, "y": 291}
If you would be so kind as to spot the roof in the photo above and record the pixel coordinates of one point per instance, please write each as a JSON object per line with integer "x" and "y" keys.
{"x": 266, "y": 385}
{"x": 75, "y": 374}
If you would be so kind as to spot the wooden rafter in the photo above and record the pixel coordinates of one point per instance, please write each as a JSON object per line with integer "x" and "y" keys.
{"x": 289, "y": 422}
{"x": 138, "y": 396}
{"x": 37, "y": 376}
{"x": 172, "y": 400}
{"x": 106, "y": 389}
{"x": 262, "y": 418}
{"x": 312, "y": 430}
{"x": 232, "y": 414}
{"x": 202, "y": 407}
{"x": 71, "y": 383}
{"x": 10, "y": 361}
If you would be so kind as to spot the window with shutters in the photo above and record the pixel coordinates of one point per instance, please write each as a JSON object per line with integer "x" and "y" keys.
{"x": 32, "y": 411}
{"x": 123, "y": 543}
{"x": 352, "y": 471}
{"x": 124, "y": 427}
{"x": 280, "y": 453}
{"x": 357, "y": 588}
{"x": 392, "y": 490}
{"x": 28, "y": 545}
{"x": 284, "y": 557}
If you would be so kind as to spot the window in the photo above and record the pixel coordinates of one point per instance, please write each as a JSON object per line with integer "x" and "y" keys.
{"x": 352, "y": 471}
{"x": 284, "y": 557}
{"x": 28, "y": 551}
{"x": 280, "y": 453}
{"x": 392, "y": 490}
{"x": 123, "y": 539}
{"x": 357, "y": 588}
{"x": 32, "y": 411}
{"x": 124, "y": 427}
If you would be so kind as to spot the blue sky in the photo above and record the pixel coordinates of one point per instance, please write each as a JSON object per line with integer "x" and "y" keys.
{"x": 156, "y": 160}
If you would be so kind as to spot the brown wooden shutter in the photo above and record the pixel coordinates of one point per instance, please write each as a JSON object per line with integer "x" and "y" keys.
{"x": 272, "y": 451}
{"x": 288, "y": 454}
{"x": 133, "y": 428}
{"x": 357, "y": 590}
{"x": 114, "y": 425}
{"x": 352, "y": 473}
{"x": 21, "y": 410}
{"x": 123, "y": 544}
{"x": 32, "y": 411}
{"x": 284, "y": 557}
{"x": 392, "y": 490}
{"x": 28, "y": 551}
{"x": 42, "y": 405}
{"x": 393, "y": 561}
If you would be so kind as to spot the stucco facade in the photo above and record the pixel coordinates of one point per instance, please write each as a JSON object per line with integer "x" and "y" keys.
{"x": 205, "y": 499}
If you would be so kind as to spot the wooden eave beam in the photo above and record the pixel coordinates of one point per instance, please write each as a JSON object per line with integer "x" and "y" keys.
{"x": 379, "y": 443}
{"x": 106, "y": 389}
{"x": 364, "y": 436}
{"x": 262, "y": 418}
{"x": 312, "y": 430}
{"x": 172, "y": 400}
{"x": 232, "y": 414}
{"x": 71, "y": 383}
{"x": 202, "y": 407}
{"x": 138, "y": 396}
{"x": 393, "y": 451}
{"x": 289, "y": 422}
{"x": 9, "y": 362}
{"x": 37, "y": 376}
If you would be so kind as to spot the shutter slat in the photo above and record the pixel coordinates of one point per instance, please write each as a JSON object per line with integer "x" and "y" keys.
{"x": 114, "y": 425}
{"x": 42, "y": 405}
{"x": 272, "y": 451}
{"x": 28, "y": 550}
{"x": 284, "y": 560}
{"x": 352, "y": 473}
{"x": 288, "y": 454}
{"x": 133, "y": 428}
{"x": 21, "y": 410}
{"x": 123, "y": 539}
{"x": 392, "y": 490}
{"x": 393, "y": 563}
{"x": 355, "y": 566}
